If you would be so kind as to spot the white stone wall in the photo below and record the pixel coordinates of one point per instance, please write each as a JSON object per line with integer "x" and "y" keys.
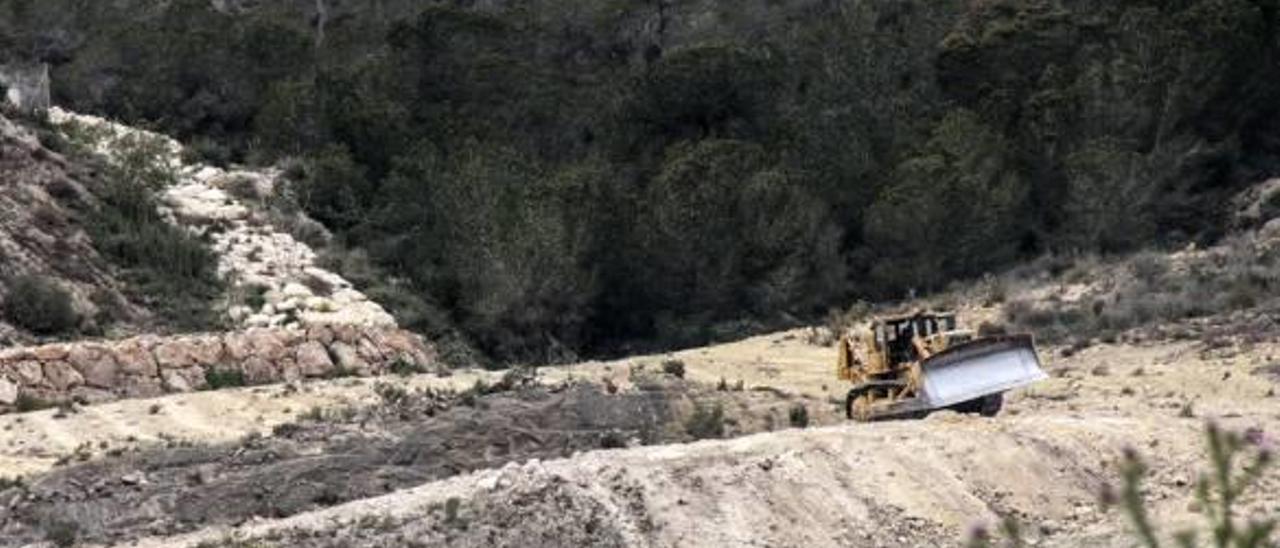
{"x": 253, "y": 255}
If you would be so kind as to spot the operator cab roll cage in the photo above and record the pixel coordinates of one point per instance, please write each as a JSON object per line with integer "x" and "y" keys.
{"x": 896, "y": 334}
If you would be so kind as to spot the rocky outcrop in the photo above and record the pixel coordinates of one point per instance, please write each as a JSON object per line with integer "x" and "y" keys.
{"x": 95, "y": 371}
{"x": 42, "y": 197}
{"x": 287, "y": 286}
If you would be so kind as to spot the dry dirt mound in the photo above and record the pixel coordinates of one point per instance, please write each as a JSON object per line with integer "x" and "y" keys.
{"x": 891, "y": 484}
{"x": 336, "y": 455}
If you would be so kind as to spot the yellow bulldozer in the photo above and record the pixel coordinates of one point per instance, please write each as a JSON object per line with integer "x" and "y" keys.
{"x": 907, "y": 366}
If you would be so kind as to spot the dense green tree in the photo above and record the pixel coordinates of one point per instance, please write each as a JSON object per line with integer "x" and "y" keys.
{"x": 956, "y": 208}
{"x": 549, "y": 177}
{"x": 500, "y": 242}
{"x": 725, "y": 230}
{"x": 336, "y": 190}
{"x": 1108, "y": 199}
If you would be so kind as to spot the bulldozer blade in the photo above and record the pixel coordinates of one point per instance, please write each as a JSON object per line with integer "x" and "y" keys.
{"x": 989, "y": 365}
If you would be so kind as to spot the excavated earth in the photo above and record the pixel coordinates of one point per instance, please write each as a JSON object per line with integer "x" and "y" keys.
{"x": 601, "y": 454}
{"x": 338, "y": 454}
{"x": 608, "y": 453}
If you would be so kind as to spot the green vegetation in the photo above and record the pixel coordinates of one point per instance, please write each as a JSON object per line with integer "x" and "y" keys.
{"x": 706, "y": 422}
{"x": 798, "y": 416}
{"x": 543, "y": 180}
{"x": 217, "y": 379}
{"x": 405, "y": 367}
{"x": 61, "y": 533}
{"x": 168, "y": 269}
{"x": 1236, "y": 276}
{"x": 1218, "y": 493}
{"x": 40, "y": 306}
{"x": 674, "y": 368}
{"x": 27, "y": 402}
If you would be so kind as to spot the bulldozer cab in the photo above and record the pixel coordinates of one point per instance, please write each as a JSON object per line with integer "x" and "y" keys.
{"x": 897, "y": 335}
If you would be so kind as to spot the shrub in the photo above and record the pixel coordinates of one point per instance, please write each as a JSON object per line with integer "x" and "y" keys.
{"x": 1217, "y": 493}
{"x": 612, "y": 439}
{"x": 390, "y": 393}
{"x": 40, "y": 305}
{"x": 707, "y": 421}
{"x": 207, "y": 151}
{"x": 798, "y": 415}
{"x": 336, "y": 190}
{"x": 61, "y": 533}
{"x": 217, "y": 379}
{"x": 405, "y": 368}
{"x": 167, "y": 268}
{"x": 26, "y": 402}
{"x": 674, "y": 368}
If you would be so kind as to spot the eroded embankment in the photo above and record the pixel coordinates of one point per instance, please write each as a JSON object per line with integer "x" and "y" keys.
{"x": 921, "y": 483}
{"x": 335, "y": 455}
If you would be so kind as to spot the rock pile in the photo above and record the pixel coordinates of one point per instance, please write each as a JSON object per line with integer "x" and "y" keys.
{"x": 287, "y": 287}
{"x": 150, "y": 365}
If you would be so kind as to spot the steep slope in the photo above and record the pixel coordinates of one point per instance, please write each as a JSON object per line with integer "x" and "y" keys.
{"x": 42, "y": 206}
{"x": 274, "y": 279}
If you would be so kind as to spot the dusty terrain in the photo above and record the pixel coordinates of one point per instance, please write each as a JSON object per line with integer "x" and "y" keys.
{"x": 735, "y": 444}
{"x": 546, "y": 467}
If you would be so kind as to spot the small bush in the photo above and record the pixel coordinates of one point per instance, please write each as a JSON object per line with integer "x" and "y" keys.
{"x": 285, "y": 429}
{"x": 612, "y": 439}
{"x": 207, "y": 151}
{"x": 707, "y": 421}
{"x": 27, "y": 402}
{"x": 405, "y": 368}
{"x": 15, "y": 482}
{"x": 798, "y": 415}
{"x": 1217, "y": 493}
{"x": 40, "y": 306}
{"x": 390, "y": 393}
{"x": 674, "y": 368}
{"x": 62, "y": 533}
{"x": 840, "y": 321}
{"x": 1149, "y": 267}
{"x": 218, "y": 379}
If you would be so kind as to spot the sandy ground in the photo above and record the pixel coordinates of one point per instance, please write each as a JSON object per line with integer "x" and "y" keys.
{"x": 889, "y": 484}
{"x": 920, "y": 483}
{"x": 33, "y": 442}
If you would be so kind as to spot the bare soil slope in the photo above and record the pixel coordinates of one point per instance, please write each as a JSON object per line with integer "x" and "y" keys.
{"x": 921, "y": 483}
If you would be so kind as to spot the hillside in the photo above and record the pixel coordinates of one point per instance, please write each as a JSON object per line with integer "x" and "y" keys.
{"x": 540, "y": 477}
{"x": 371, "y": 273}
{"x": 44, "y": 201}
{"x": 544, "y": 181}
{"x": 742, "y": 442}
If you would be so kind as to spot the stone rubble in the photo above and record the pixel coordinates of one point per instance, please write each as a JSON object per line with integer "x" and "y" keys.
{"x": 254, "y": 257}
